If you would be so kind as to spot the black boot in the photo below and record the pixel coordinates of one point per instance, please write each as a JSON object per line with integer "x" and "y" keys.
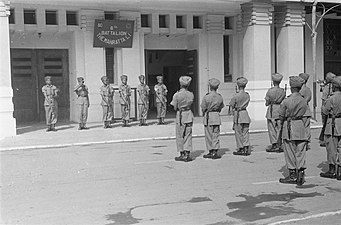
{"x": 239, "y": 152}
{"x": 80, "y": 126}
{"x": 85, "y": 127}
{"x": 159, "y": 123}
{"x": 300, "y": 177}
{"x": 279, "y": 148}
{"x": 181, "y": 157}
{"x": 338, "y": 172}
{"x": 215, "y": 154}
{"x": 162, "y": 121}
{"x": 53, "y": 127}
{"x": 144, "y": 123}
{"x": 291, "y": 179}
{"x": 272, "y": 149}
{"x": 187, "y": 157}
{"x": 48, "y": 128}
{"x": 247, "y": 151}
{"x": 208, "y": 155}
{"x": 330, "y": 173}
{"x": 141, "y": 123}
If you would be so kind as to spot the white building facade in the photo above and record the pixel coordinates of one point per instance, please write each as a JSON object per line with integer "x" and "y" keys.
{"x": 205, "y": 39}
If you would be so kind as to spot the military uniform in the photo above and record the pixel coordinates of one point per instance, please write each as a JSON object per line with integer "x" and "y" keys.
{"x": 82, "y": 102}
{"x": 326, "y": 93}
{"x": 107, "y": 95}
{"x": 306, "y": 93}
{"x": 161, "y": 99}
{"x": 125, "y": 93}
{"x": 182, "y": 102}
{"x": 50, "y": 93}
{"x": 211, "y": 105}
{"x": 143, "y": 100}
{"x": 295, "y": 137}
{"x": 332, "y": 109}
{"x": 241, "y": 118}
{"x": 273, "y": 99}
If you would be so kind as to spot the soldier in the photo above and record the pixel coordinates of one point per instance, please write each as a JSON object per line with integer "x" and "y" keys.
{"x": 125, "y": 93}
{"x": 161, "y": 99}
{"x": 182, "y": 102}
{"x": 306, "y": 93}
{"x": 107, "y": 94}
{"x": 143, "y": 101}
{"x": 326, "y": 93}
{"x": 295, "y": 139}
{"x": 332, "y": 110}
{"x": 82, "y": 102}
{"x": 273, "y": 99}
{"x": 241, "y": 119}
{"x": 50, "y": 93}
{"x": 211, "y": 105}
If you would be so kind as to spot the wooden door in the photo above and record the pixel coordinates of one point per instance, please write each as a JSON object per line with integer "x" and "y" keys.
{"x": 192, "y": 71}
{"x": 24, "y": 84}
{"x": 54, "y": 63}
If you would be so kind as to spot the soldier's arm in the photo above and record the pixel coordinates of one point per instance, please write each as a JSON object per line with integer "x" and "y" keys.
{"x": 174, "y": 102}
{"x": 327, "y": 107}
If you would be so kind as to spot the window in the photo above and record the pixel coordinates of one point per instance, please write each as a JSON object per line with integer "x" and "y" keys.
{"x": 197, "y": 22}
{"x": 145, "y": 20}
{"x": 180, "y": 22}
{"x": 227, "y": 75}
{"x": 110, "y": 65}
{"x": 228, "y": 23}
{"x": 71, "y": 18}
{"x": 11, "y": 18}
{"x": 51, "y": 17}
{"x": 163, "y": 21}
{"x": 30, "y": 16}
{"x": 110, "y": 15}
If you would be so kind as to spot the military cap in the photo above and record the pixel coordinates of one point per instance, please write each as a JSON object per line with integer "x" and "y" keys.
{"x": 213, "y": 82}
{"x": 47, "y": 77}
{"x": 241, "y": 81}
{"x": 103, "y": 78}
{"x": 185, "y": 80}
{"x": 296, "y": 81}
{"x": 141, "y": 76}
{"x": 277, "y": 77}
{"x": 304, "y": 76}
{"x": 330, "y": 76}
{"x": 336, "y": 81}
{"x": 80, "y": 78}
{"x": 159, "y": 77}
{"x": 124, "y": 77}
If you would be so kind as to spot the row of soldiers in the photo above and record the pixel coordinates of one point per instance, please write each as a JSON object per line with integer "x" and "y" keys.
{"x": 107, "y": 95}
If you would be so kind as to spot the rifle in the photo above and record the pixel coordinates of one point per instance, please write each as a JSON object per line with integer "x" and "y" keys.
{"x": 279, "y": 140}
{"x": 163, "y": 104}
{"x": 144, "y": 103}
{"x": 324, "y": 121}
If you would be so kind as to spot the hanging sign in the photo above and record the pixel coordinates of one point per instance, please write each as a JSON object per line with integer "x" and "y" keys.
{"x": 113, "y": 33}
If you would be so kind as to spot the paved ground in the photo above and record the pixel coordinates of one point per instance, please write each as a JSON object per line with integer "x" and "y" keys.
{"x": 140, "y": 183}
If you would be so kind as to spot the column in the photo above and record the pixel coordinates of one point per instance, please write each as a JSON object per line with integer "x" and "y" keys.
{"x": 289, "y": 22}
{"x": 8, "y": 123}
{"x": 256, "y": 21}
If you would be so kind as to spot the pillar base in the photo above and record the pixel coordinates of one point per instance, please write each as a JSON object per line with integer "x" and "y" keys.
{"x": 8, "y": 123}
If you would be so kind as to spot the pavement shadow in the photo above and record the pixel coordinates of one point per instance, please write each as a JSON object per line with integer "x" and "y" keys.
{"x": 223, "y": 151}
{"x": 196, "y": 154}
{"x": 324, "y": 166}
{"x": 284, "y": 170}
{"x": 28, "y": 127}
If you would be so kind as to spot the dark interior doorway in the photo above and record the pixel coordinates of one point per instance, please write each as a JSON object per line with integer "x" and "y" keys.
{"x": 172, "y": 64}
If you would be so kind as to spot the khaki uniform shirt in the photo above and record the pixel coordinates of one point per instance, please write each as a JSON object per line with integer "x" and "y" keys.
{"x": 107, "y": 93}
{"x": 273, "y": 99}
{"x": 161, "y": 92}
{"x": 306, "y": 93}
{"x": 182, "y": 102}
{"x": 82, "y": 93}
{"x": 125, "y": 93}
{"x": 333, "y": 107}
{"x": 239, "y": 103}
{"x": 50, "y": 93}
{"x": 292, "y": 108}
{"x": 143, "y": 91}
{"x": 211, "y": 105}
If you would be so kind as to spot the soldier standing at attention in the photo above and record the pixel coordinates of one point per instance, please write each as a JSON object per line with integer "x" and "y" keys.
{"x": 211, "y": 105}
{"x": 82, "y": 102}
{"x": 182, "y": 102}
{"x": 295, "y": 139}
{"x": 125, "y": 93}
{"x": 143, "y": 101}
{"x": 273, "y": 99}
{"x": 161, "y": 99}
{"x": 50, "y": 93}
{"x": 241, "y": 119}
{"x": 107, "y": 94}
{"x": 326, "y": 93}
{"x": 306, "y": 93}
{"x": 332, "y": 109}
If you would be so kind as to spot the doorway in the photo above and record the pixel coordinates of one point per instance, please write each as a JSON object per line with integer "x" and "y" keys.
{"x": 172, "y": 64}
{"x": 29, "y": 67}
